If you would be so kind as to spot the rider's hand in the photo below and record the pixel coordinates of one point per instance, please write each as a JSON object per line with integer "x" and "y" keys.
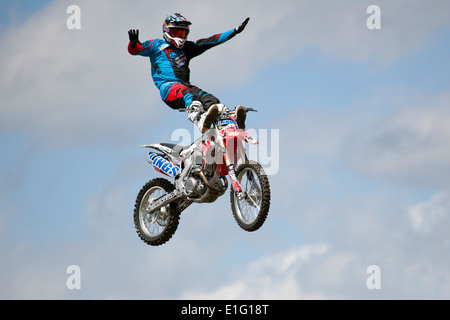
{"x": 134, "y": 38}
{"x": 241, "y": 27}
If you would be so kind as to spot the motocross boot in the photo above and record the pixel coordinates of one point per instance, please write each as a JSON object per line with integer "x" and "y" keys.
{"x": 207, "y": 118}
{"x": 241, "y": 115}
{"x": 200, "y": 118}
{"x": 194, "y": 111}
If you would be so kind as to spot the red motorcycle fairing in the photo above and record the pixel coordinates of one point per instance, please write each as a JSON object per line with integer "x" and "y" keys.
{"x": 241, "y": 135}
{"x": 234, "y": 150}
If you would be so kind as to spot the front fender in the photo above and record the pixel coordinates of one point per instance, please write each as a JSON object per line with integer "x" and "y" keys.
{"x": 243, "y": 136}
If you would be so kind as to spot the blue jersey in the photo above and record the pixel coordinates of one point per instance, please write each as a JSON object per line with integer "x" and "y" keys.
{"x": 171, "y": 65}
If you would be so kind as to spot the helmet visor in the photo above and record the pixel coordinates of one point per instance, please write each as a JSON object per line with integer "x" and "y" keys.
{"x": 179, "y": 32}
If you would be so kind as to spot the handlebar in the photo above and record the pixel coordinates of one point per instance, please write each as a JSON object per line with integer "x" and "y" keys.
{"x": 230, "y": 111}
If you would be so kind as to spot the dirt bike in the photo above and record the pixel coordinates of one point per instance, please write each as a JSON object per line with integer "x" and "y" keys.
{"x": 200, "y": 173}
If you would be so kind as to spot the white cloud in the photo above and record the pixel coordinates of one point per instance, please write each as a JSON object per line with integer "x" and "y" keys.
{"x": 75, "y": 85}
{"x": 269, "y": 277}
{"x": 412, "y": 145}
{"x": 430, "y": 217}
{"x": 81, "y": 88}
{"x": 342, "y": 233}
{"x": 339, "y": 27}
{"x": 78, "y": 85}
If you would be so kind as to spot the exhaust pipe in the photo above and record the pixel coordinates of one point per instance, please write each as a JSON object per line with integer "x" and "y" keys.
{"x": 209, "y": 185}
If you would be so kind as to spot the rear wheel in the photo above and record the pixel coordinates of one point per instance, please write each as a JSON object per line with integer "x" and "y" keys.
{"x": 157, "y": 227}
{"x": 252, "y": 209}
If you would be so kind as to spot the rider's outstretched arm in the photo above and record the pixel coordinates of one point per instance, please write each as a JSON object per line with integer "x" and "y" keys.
{"x": 202, "y": 45}
{"x": 136, "y": 47}
{"x": 143, "y": 49}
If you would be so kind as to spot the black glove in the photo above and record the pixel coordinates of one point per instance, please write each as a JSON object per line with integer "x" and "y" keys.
{"x": 241, "y": 27}
{"x": 134, "y": 38}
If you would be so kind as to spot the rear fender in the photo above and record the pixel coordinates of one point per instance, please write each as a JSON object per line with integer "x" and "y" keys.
{"x": 158, "y": 147}
{"x": 165, "y": 150}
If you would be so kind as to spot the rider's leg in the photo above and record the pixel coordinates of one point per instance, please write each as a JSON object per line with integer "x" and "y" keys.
{"x": 204, "y": 108}
{"x": 177, "y": 96}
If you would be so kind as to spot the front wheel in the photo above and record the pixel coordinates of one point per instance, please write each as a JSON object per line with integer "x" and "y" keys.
{"x": 157, "y": 227}
{"x": 250, "y": 211}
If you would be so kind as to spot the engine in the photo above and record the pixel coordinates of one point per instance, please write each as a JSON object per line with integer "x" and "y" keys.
{"x": 199, "y": 178}
{"x": 194, "y": 187}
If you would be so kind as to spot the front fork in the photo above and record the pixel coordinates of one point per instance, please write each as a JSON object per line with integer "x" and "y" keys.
{"x": 230, "y": 159}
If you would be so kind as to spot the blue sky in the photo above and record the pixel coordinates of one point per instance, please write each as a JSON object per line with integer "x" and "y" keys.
{"x": 363, "y": 151}
{"x": 18, "y": 11}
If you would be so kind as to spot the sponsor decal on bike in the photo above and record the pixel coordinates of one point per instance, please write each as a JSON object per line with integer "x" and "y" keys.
{"x": 222, "y": 123}
{"x": 163, "y": 165}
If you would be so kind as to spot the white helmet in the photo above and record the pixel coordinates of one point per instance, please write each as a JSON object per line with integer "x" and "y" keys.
{"x": 176, "y": 30}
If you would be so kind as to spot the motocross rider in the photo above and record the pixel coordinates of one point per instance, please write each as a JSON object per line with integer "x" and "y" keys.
{"x": 170, "y": 59}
